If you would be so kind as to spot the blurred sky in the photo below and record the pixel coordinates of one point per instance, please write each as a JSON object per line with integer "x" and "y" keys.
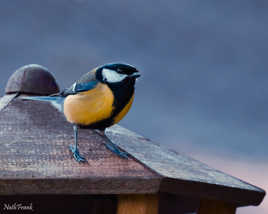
{"x": 204, "y": 64}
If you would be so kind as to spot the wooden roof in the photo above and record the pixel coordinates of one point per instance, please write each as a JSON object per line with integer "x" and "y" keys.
{"x": 35, "y": 159}
{"x": 34, "y": 140}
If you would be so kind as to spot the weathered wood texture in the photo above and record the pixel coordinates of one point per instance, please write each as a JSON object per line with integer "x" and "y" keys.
{"x": 216, "y": 207}
{"x": 35, "y": 159}
{"x": 138, "y": 204}
{"x": 184, "y": 175}
{"x": 4, "y": 101}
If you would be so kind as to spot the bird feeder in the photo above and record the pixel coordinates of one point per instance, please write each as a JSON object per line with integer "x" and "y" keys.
{"x": 37, "y": 170}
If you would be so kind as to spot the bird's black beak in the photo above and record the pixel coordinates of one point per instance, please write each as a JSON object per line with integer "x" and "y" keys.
{"x": 135, "y": 76}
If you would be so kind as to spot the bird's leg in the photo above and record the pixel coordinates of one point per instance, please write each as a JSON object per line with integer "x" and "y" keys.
{"x": 74, "y": 149}
{"x": 101, "y": 132}
{"x": 111, "y": 146}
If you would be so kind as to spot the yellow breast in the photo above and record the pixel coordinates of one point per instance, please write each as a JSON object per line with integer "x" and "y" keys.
{"x": 89, "y": 107}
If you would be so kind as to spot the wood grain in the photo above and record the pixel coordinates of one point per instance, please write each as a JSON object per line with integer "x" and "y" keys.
{"x": 138, "y": 204}
{"x": 35, "y": 159}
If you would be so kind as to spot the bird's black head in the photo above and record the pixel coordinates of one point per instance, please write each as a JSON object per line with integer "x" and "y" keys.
{"x": 117, "y": 73}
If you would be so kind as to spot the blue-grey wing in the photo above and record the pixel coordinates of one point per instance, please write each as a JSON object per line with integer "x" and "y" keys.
{"x": 85, "y": 83}
{"x": 79, "y": 87}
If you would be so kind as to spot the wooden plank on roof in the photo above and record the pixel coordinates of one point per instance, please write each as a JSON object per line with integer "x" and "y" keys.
{"x": 183, "y": 174}
{"x": 35, "y": 159}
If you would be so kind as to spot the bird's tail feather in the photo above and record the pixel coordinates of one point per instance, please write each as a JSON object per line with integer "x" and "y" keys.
{"x": 41, "y": 98}
{"x": 56, "y": 101}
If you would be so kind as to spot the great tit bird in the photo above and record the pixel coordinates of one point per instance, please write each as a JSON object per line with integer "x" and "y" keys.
{"x": 99, "y": 99}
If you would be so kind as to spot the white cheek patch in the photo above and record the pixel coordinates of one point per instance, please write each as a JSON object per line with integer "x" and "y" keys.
{"x": 112, "y": 76}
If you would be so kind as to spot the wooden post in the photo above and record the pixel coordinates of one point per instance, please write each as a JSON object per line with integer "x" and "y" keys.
{"x": 137, "y": 204}
{"x": 219, "y": 207}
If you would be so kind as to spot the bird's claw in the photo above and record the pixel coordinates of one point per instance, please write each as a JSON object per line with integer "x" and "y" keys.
{"x": 116, "y": 150}
{"x": 76, "y": 154}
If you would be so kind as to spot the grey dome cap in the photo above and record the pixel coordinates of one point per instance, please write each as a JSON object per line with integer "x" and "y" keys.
{"x": 32, "y": 79}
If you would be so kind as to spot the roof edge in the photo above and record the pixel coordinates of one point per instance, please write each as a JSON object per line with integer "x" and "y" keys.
{"x": 239, "y": 197}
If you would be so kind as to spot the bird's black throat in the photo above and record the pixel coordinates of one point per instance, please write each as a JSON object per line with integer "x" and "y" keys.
{"x": 123, "y": 92}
